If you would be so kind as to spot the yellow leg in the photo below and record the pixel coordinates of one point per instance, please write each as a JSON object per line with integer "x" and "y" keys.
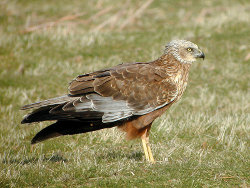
{"x": 151, "y": 158}
{"x": 146, "y": 148}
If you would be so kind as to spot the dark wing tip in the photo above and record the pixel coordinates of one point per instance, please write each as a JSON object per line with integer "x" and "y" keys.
{"x": 25, "y": 119}
{"x": 34, "y": 141}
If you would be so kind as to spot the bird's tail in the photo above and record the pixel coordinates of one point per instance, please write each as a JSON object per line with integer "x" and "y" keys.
{"x": 42, "y": 109}
{"x": 61, "y": 128}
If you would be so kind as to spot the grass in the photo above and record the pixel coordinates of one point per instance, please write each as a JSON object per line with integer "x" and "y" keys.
{"x": 203, "y": 141}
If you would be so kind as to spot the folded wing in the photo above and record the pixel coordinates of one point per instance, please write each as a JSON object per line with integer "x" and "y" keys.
{"x": 109, "y": 95}
{"x": 124, "y": 91}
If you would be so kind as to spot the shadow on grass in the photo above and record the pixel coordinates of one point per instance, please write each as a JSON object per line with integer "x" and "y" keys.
{"x": 54, "y": 158}
{"x": 137, "y": 156}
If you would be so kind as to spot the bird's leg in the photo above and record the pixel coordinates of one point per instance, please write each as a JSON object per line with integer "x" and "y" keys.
{"x": 151, "y": 158}
{"x": 146, "y": 146}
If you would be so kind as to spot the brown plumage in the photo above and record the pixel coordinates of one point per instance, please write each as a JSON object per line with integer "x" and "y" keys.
{"x": 130, "y": 96}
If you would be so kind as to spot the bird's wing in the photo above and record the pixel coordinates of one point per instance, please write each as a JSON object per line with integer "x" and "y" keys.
{"x": 121, "y": 92}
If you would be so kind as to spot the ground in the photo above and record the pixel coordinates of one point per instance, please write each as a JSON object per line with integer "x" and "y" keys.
{"x": 203, "y": 141}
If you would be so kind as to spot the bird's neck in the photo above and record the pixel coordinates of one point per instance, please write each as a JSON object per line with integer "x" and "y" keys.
{"x": 172, "y": 64}
{"x": 176, "y": 70}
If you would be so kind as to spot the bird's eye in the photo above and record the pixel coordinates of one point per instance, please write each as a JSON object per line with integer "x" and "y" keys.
{"x": 189, "y": 49}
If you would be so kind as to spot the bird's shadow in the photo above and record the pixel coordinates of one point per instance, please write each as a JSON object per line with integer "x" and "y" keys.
{"x": 137, "y": 156}
{"x": 55, "y": 158}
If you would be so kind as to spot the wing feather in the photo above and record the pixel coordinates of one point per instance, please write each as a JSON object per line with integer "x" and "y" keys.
{"x": 114, "y": 94}
{"x": 121, "y": 92}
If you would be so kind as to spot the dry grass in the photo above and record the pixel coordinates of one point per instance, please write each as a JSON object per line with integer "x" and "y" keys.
{"x": 201, "y": 142}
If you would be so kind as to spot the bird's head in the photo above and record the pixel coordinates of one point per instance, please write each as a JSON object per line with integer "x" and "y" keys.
{"x": 184, "y": 51}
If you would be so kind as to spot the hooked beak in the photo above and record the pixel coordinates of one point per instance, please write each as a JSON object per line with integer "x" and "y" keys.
{"x": 201, "y": 55}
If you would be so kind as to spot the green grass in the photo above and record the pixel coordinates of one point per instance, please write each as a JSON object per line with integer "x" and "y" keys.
{"x": 203, "y": 141}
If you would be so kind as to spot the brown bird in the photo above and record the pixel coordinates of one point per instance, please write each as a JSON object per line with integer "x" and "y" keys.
{"x": 130, "y": 96}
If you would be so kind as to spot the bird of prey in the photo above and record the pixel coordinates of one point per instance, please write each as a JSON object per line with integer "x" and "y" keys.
{"x": 130, "y": 96}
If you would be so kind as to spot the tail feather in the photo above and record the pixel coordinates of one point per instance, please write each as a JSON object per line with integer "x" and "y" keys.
{"x": 61, "y": 128}
{"x": 53, "y": 101}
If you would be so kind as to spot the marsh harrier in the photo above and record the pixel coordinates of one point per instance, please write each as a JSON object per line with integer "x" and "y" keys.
{"x": 130, "y": 96}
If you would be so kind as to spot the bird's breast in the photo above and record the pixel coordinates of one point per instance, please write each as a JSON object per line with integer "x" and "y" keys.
{"x": 178, "y": 77}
